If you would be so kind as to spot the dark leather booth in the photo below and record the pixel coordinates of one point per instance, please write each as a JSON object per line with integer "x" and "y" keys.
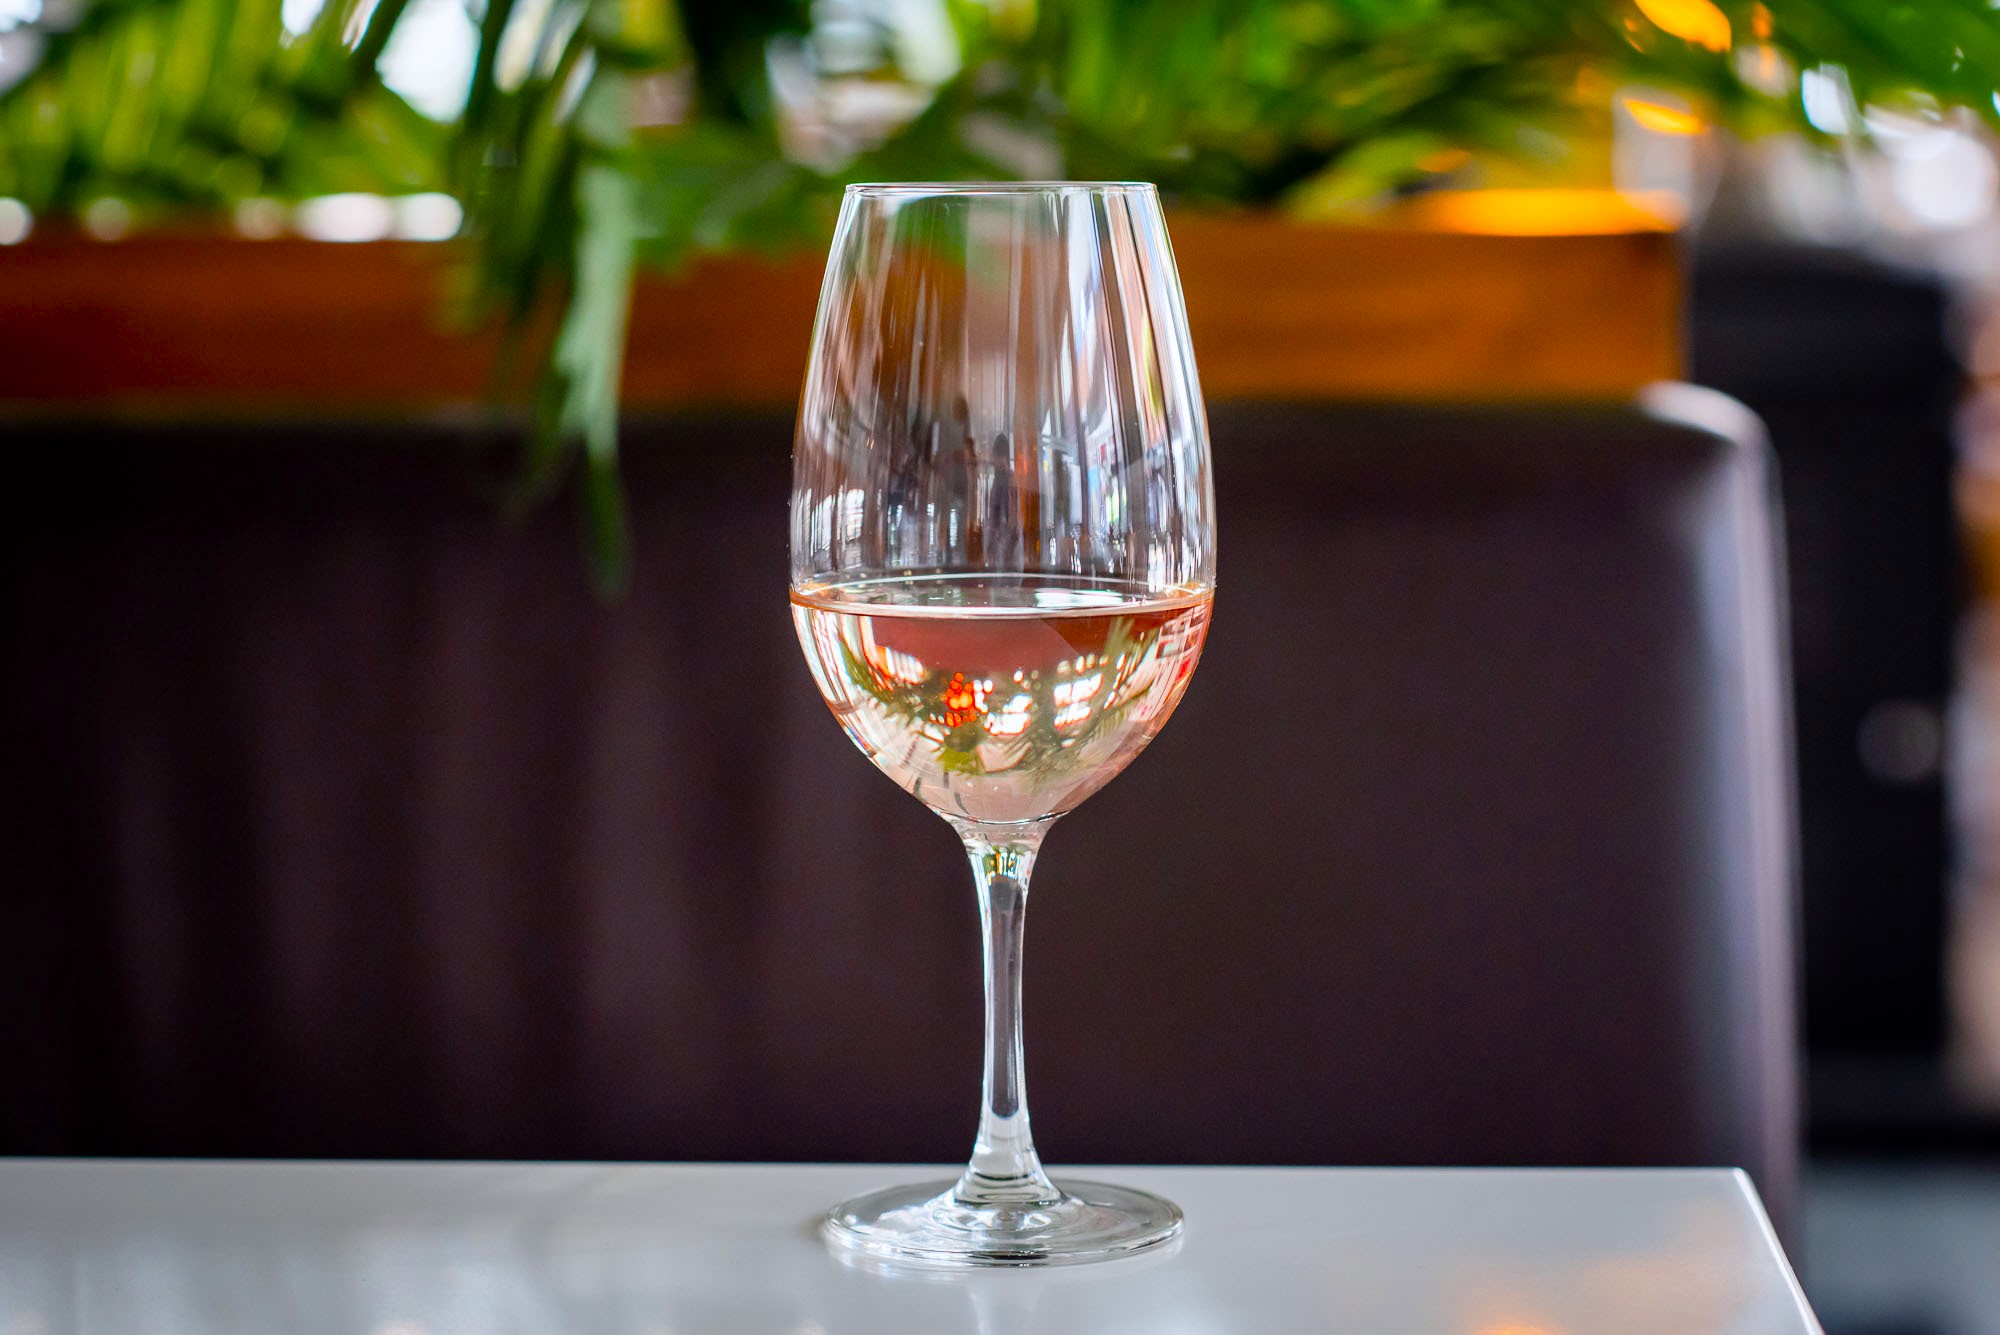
{"x": 346, "y": 821}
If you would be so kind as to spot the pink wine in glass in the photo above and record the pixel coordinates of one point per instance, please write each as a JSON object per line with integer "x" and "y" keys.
{"x": 1000, "y": 699}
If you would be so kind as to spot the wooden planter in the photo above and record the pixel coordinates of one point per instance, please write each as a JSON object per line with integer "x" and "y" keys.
{"x": 183, "y": 323}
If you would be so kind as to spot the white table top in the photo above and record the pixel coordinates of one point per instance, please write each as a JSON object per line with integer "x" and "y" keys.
{"x": 180, "y": 1248}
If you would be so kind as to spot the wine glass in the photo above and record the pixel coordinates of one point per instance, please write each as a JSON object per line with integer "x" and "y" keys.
{"x": 1003, "y": 557}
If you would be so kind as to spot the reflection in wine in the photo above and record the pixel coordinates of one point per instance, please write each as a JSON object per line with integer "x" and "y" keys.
{"x": 1000, "y": 700}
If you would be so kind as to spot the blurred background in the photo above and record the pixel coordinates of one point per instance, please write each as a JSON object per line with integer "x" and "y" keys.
{"x": 255, "y": 256}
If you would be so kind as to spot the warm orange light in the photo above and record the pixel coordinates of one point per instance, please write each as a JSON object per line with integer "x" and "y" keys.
{"x": 1514, "y": 1330}
{"x": 1661, "y": 118}
{"x": 1697, "y": 22}
{"x": 961, "y": 701}
{"x": 1542, "y": 212}
{"x": 1760, "y": 22}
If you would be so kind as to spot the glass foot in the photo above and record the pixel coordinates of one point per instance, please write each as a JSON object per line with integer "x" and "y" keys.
{"x": 926, "y": 1225}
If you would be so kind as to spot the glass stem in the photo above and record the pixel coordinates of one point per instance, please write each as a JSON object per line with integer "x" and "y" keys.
{"x": 1004, "y": 1170}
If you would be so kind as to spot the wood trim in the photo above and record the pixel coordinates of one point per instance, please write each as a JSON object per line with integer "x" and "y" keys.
{"x": 1287, "y": 309}
{"x": 1278, "y": 309}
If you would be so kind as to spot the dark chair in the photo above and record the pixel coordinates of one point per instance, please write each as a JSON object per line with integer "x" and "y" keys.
{"x": 350, "y": 824}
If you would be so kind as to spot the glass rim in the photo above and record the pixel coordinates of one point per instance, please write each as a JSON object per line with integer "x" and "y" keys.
{"x": 999, "y": 187}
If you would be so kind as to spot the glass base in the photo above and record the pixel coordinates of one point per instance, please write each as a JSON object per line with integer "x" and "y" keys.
{"x": 925, "y": 1225}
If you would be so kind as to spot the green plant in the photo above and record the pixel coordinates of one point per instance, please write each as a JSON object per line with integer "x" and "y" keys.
{"x": 601, "y": 135}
